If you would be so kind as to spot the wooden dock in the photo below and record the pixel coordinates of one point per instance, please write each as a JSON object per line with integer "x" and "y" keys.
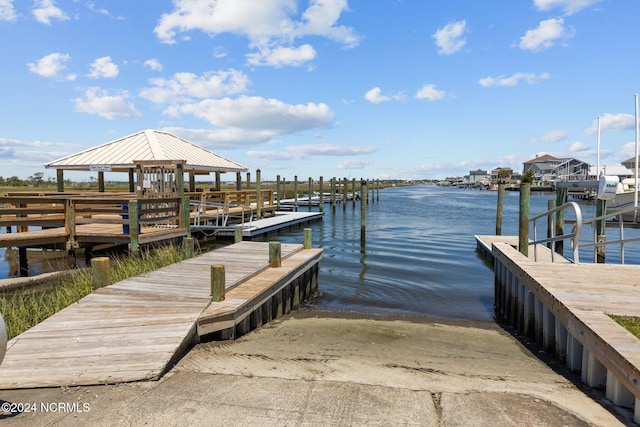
{"x": 137, "y": 328}
{"x": 274, "y": 223}
{"x": 564, "y": 307}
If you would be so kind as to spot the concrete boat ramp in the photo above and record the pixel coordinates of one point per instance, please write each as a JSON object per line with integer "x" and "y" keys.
{"x": 137, "y": 328}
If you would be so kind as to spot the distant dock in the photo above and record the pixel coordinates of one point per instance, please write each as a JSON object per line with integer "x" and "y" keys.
{"x": 564, "y": 307}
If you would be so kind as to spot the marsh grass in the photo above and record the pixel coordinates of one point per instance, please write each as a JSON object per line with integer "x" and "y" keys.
{"x": 24, "y": 309}
{"x": 630, "y": 323}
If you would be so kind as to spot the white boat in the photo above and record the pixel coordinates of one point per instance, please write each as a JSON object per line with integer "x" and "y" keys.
{"x": 620, "y": 197}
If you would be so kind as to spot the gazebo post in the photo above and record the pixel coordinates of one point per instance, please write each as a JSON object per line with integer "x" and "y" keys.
{"x": 192, "y": 180}
{"x": 101, "y": 182}
{"x": 140, "y": 180}
{"x": 60, "y": 180}
{"x": 238, "y": 181}
{"x": 132, "y": 181}
{"x": 217, "y": 181}
{"x": 180, "y": 179}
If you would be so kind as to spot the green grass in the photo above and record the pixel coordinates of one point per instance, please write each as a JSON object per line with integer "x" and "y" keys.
{"x": 24, "y": 309}
{"x": 630, "y": 323}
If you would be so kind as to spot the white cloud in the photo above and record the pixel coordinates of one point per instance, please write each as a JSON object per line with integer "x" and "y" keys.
{"x": 513, "y": 80}
{"x": 628, "y": 150}
{"x": 579, "y": 147}
{"x": 50, "y": 65}
{"x": 612, "y": 122}
{"x": 7, "y": 12}
{"x": 258, "y": 114}
{"x": 103, "y": 68}
{"x": 281, "y": 56}
{"x": 553, "y": 136}
{"x": 570, "y": 6}
{"x": 154, "y": 64}
{"x": 374, "y": 96}
{"x": 450, "y": 38}
{"x": 222, "y": 138}
{"x": 100, "y": 10}
{"x": 430, "y": 93}
{"x": 189, "y": 86}
{"x": 269, "y": 25}
{"x": 99, "y": 102}
{"x": 298, "y": 152}
{"x": 545, "y": 36}
{"x": 45, "y": 10}
{"x": 355, "y": 164}
{"x": 19, "y": 153}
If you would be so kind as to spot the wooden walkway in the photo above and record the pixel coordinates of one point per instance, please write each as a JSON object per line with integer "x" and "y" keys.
{"x": 135, "y": 329}
{"x": 277, "y": 222}
{"x": 565, "y": 308}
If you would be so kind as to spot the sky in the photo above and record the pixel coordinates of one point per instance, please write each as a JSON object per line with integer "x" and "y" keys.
{"x": 384, "y": 89}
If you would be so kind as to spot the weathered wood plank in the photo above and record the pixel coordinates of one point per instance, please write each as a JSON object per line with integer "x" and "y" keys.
{"x": 133, "y": 329}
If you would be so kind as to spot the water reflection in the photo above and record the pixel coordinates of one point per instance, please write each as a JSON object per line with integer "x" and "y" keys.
{"x": 363, "y": 261}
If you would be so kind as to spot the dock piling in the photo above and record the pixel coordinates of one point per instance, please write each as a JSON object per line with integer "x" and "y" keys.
{"x": 321, "y": 194}
{"x": 307, "y": 238}
{"x": 100, "y": 272}
{"x": 188, "y": 245}
{"x": 217, "y": 282}
{"x": 237, "y": 232}
{"x": 501, "y": 187}
{"x": 523, "y": 229}
{"x": 275, "y": 254}
{"x": 363, "y": 212}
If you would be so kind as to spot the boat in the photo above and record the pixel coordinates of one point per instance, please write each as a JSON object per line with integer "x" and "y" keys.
{"x": 621, "y": 197}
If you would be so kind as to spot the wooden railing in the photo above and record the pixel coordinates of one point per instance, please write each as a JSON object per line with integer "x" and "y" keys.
{"x": 70, "y": 211}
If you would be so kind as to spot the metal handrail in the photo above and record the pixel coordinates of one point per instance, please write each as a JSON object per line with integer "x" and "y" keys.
{"x": 621, "y": 241}
{"x": 222, "y": 219}
{"x": 574, "y": 236}
{"x": 577, "y": 230}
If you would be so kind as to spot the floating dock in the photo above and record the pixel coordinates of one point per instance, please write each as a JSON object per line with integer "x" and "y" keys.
{"x": 137, "y": 328}
{"x": 272, "y": 224}
{"x": 564, "y": 307}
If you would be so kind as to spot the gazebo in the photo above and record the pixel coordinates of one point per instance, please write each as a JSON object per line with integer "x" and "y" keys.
{"x": 146, "y": 152}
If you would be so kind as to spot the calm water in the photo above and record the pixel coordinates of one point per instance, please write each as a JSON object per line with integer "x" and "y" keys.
{"x": 420, "y": 256}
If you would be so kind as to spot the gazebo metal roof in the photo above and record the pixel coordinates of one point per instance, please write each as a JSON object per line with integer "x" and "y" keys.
{"x": 148, "y": 145}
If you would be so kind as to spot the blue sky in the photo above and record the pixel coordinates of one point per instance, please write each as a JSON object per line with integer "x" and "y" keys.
{"x": 405, "y": 89}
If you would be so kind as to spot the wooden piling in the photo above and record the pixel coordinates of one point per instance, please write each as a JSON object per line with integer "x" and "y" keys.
{"x": 601, "y": 210}
{"x": 258, "y": 195}
{"x": 344, "y": 194}
{"x": 217, "y": 282}
{"x": 501, "y": 187}
{"x": 188, "y": 247}
{"x": 310, "y": 192}
{"x": 307, "y": 238}
{"x": 277, "y": 192}
{"x": 523, "y": 229}
{"x": 561, "y": 199}
{"x": 275, "y": 254}
{"x": 237, "y": 233}
{"x": 134, "y": 224}
{"x": 295, "y": 192}
{"x": 353, "y": 191}
{"x": 100, "y": 272}
{"x": 363, "y": 212}
{"x": 321, "y": 207}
